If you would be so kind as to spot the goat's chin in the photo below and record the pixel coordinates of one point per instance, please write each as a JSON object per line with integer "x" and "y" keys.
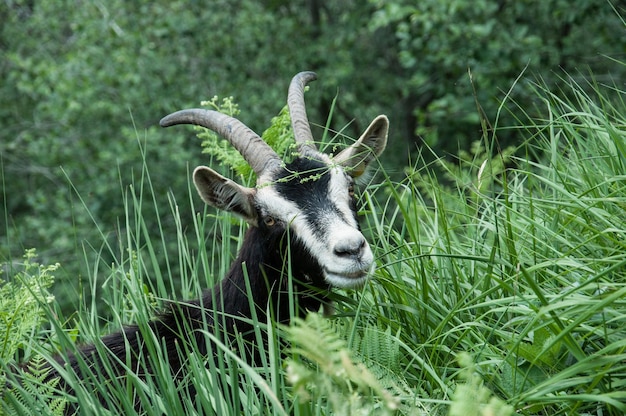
{"x": 353, "y": 280}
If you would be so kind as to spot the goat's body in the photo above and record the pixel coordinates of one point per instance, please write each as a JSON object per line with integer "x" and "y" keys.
{"x": 225, "y": 311}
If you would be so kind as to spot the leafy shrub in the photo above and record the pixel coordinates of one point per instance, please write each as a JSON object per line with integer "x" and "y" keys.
{"x": 24, "y": 309}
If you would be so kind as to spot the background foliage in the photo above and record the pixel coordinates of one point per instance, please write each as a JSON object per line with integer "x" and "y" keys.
{"x": 498, "y": 291}
{"x": 84, "y": 81}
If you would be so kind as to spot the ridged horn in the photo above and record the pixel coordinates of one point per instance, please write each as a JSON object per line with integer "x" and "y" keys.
{"x": 297, "y": 111}
{"x": 254, "y": 150}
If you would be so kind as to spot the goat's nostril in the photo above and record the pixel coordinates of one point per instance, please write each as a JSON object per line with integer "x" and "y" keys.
{"x": 350, "y": 248}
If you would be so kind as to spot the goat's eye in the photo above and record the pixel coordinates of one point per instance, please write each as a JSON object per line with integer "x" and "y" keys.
{"x": 269, "y": 221}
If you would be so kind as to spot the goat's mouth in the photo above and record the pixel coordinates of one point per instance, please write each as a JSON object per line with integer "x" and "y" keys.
{"x": 348, "y": 280}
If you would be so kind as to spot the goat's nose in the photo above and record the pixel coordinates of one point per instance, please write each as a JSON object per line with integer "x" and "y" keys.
{"x": 352, "y": 247}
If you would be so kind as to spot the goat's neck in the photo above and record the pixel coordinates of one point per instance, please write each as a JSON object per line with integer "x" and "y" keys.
{"x": 260, "y": 276}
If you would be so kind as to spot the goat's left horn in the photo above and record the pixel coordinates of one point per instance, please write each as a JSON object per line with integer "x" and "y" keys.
{"x": 254, "y": 150}
{"x": 297, "y": 111}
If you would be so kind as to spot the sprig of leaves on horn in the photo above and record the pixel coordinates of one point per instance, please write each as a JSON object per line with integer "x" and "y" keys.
{"x": 279, "y": 136}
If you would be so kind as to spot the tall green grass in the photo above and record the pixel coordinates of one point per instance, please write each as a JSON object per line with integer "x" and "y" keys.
{"x": 500, "y": 289}
{"x": 519, "y": 261}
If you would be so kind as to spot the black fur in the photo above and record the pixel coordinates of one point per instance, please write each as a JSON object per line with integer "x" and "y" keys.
{"x": 306, "y": 182}
{"x": 263, "y": 255}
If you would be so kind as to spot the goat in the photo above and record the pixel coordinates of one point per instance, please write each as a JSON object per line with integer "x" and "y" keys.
{"x": 306, "y": 206}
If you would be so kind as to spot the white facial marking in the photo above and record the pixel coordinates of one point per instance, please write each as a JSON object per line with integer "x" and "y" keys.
{"x": 337, "y": 244}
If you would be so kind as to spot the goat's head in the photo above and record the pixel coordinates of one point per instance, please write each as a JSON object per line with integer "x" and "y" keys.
{"x": 311, "y": 198}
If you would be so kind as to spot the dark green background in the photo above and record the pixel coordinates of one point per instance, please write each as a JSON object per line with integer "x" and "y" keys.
{"x": 81, "y": 82}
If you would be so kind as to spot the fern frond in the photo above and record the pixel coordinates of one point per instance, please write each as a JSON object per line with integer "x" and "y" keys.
{"x": 22, "y": 302}
{"x": 472, "y": 398}
{"x": 323, "y": 368}
{"x": 34, "y": 393}
{"x": 23, "y": 299}
{"x": 278, "y": 136}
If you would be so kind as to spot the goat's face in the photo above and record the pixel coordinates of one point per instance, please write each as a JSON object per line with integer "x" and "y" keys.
{"x": 316, "y": 201}
{"x": 311, "y": 199}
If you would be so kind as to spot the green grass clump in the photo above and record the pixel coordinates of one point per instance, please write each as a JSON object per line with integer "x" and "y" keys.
{"x": 519, "y": 261}
{"x": 500, "y": 289}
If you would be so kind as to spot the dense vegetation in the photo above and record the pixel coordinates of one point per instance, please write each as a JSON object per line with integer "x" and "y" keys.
{"x": 83, "y": 82}
{"x": 502, "y": 291}
{"x": 502, "y": 270}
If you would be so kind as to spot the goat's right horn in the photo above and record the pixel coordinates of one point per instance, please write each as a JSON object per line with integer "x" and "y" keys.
{"x": 254, "y": 150}
{"x": 297, "y": 111}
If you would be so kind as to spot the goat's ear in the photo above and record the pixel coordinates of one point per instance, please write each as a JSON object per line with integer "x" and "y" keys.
{"x": 224, "y": 194}
{"x": 370, "y": 145}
